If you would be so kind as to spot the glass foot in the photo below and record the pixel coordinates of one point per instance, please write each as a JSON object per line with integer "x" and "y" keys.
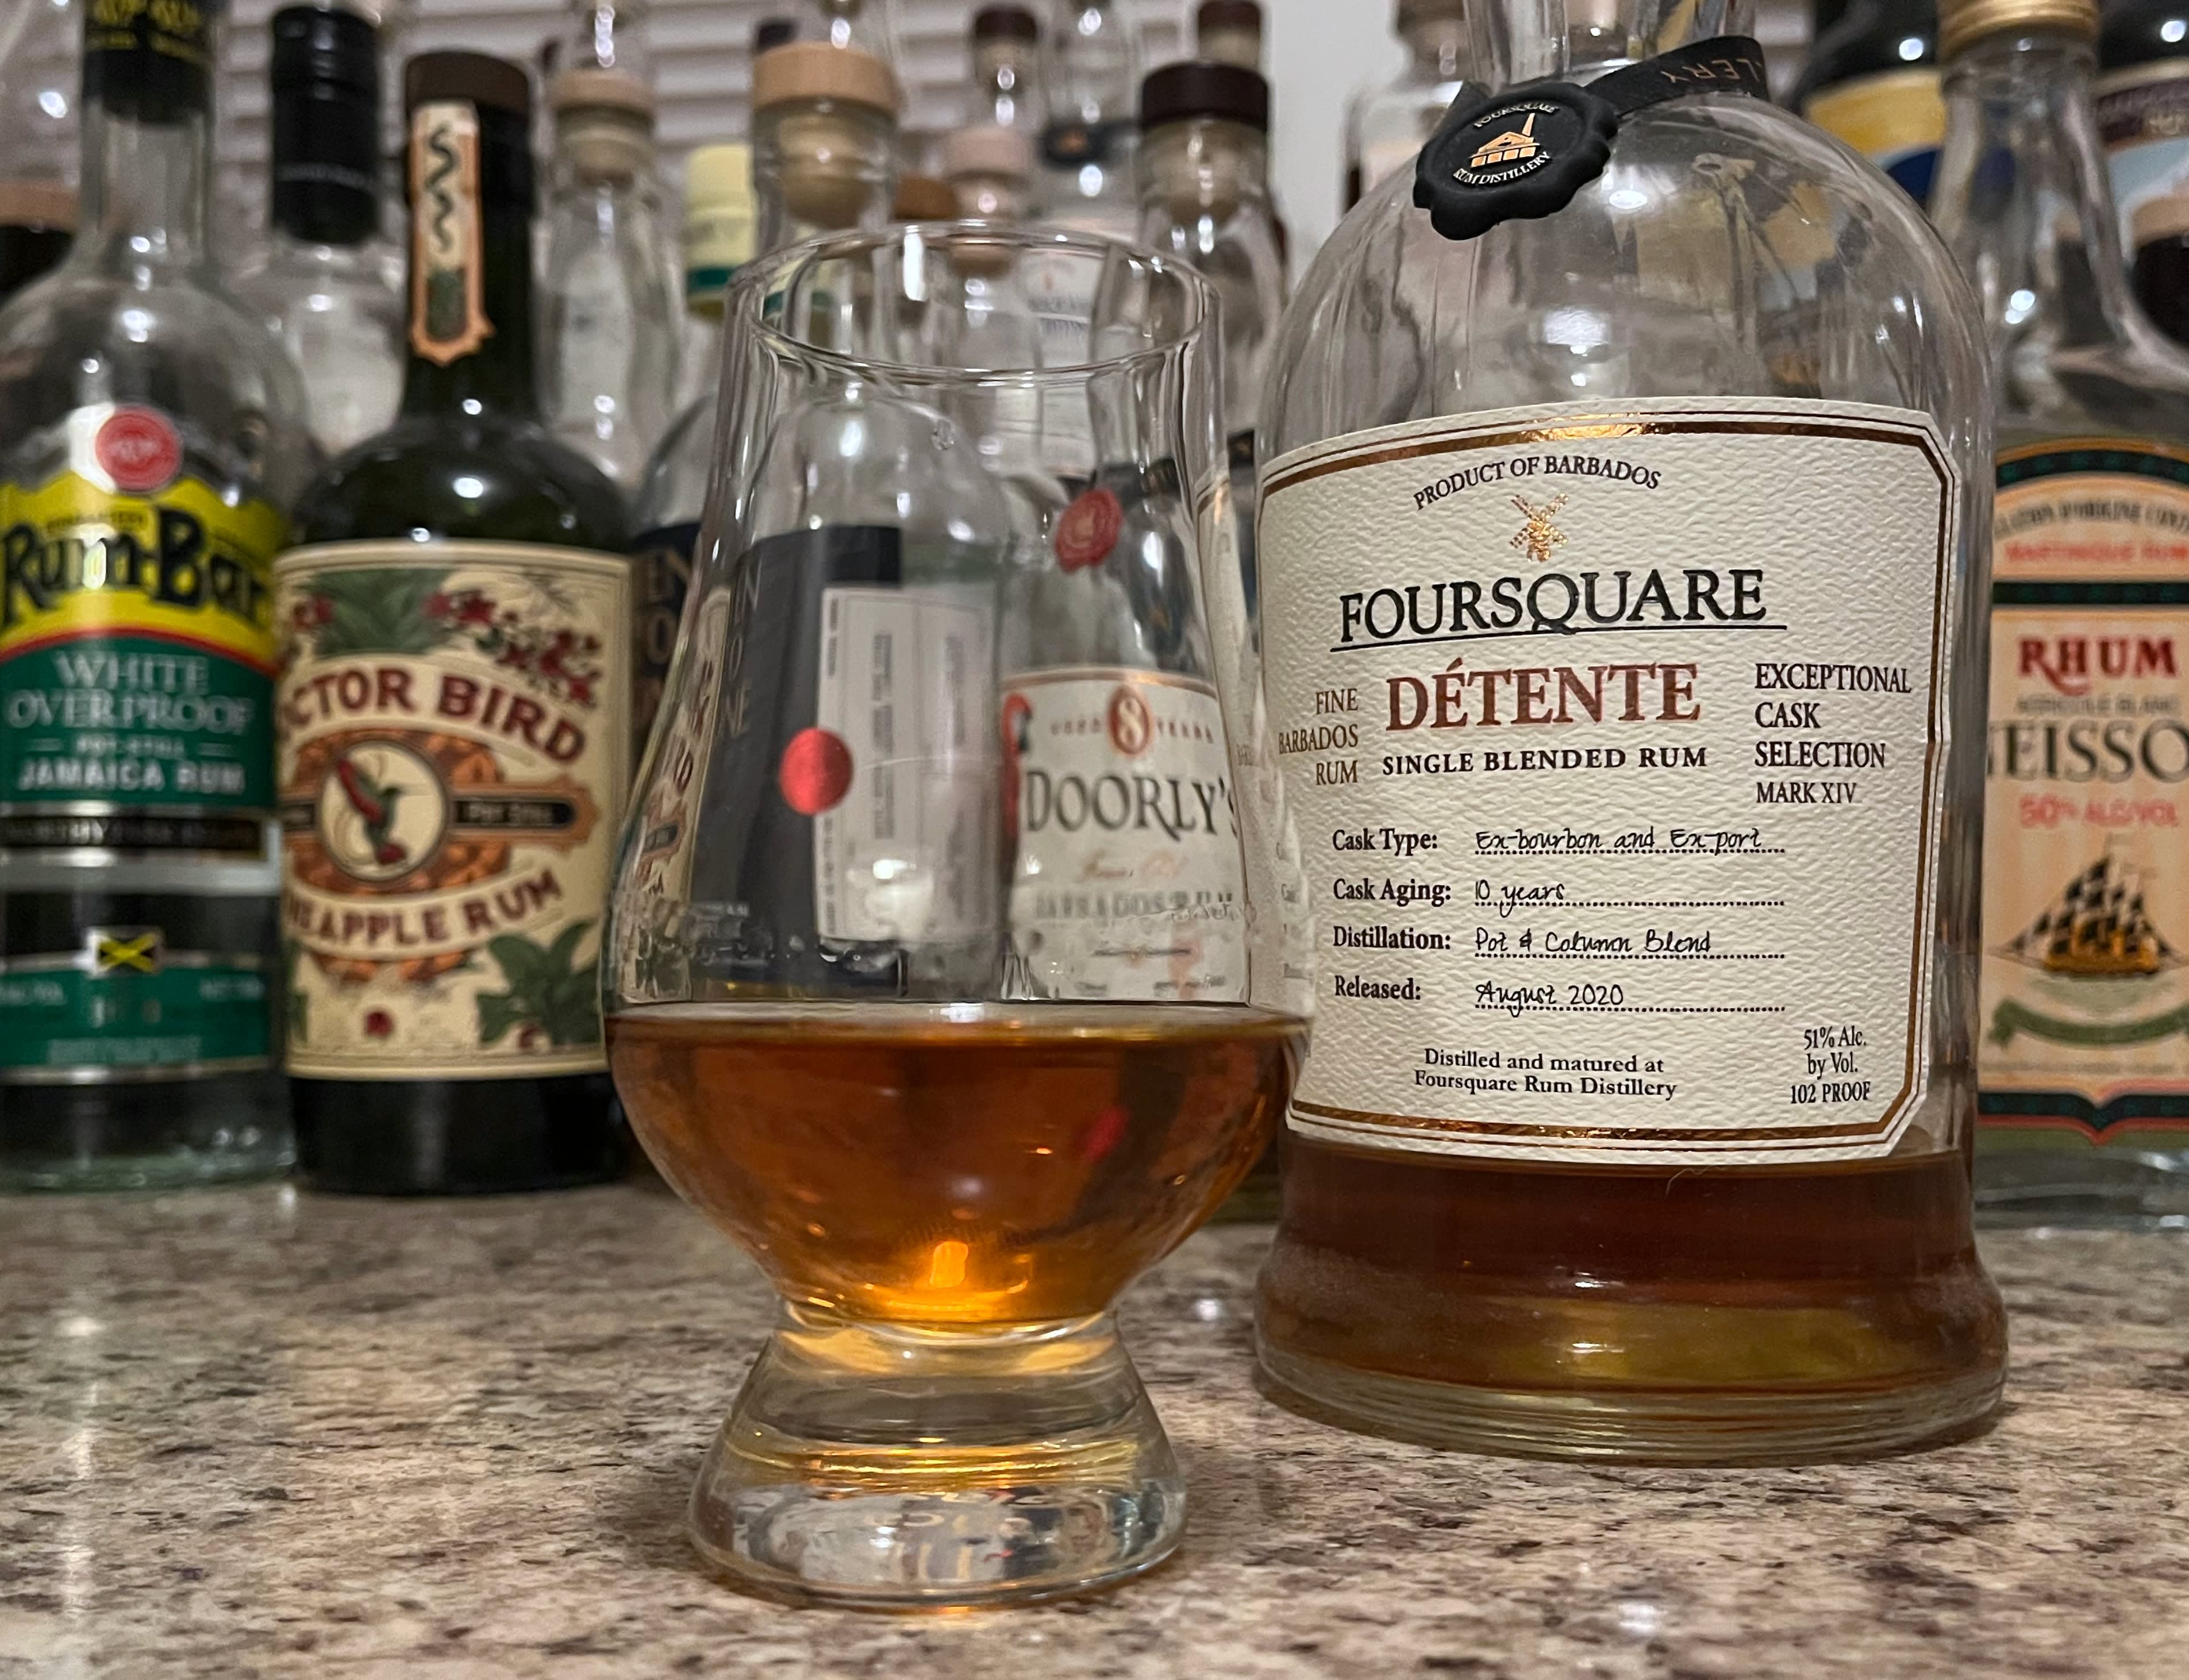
{"x": 897, "y": 1469}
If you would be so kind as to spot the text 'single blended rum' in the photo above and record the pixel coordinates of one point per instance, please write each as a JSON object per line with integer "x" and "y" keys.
{"x": 2085, "y": 968}
{"x": 1624, "y": 480}
{"x": 151, "y": 437}
{"x": 455, "y": 708}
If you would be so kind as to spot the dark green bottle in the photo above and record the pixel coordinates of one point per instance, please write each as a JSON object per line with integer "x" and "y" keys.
{"x": 454, "y": 712}
{"x": 1872, "y": 81}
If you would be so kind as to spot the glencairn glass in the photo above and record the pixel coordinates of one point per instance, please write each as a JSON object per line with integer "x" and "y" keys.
{"x": 944, "y": 971}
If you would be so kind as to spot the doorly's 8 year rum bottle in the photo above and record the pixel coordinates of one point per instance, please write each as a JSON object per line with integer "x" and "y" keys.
{"x": 1637, "y": 784}
{"x": 453, "y": 709}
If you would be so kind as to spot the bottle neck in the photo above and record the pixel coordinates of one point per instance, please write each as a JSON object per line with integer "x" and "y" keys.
{"x": 470, "y": 336}
{"x": 2022, "y": 196}
{"x": 1205, "y": 169}
{"x": 1436, "y": 48}
{"x": 143, "y": 209}
{"x": 1581, "y": 40}
{"x": 821, "y": 167}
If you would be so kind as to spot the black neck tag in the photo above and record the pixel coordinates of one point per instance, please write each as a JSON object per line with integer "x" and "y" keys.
{"x": 1523, "y": 153}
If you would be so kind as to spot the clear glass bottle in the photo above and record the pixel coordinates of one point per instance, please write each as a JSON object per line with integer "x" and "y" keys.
{"x": 151, "y": 439}
{"x": 1872, "y": 80}
{"x": 324, "y": 282}
{"x": 823, "y": 159}
{"x": 1091, "y": 70}
{"x": 1638, "y": 1118}
{"x": 868, "y": 26}
{"x": 1385, "y": 126}
{"x": 454, "y": 721}
{"x": 1006, "y": 41}
{"x": 38, "y": 147}
{"x": 2143, "y": 117}
{"x": 610, "y": 336}
{"x": 1204, "y": 177}
{"x": 2085, "y": 965}
{"x": 1229, "y": 33}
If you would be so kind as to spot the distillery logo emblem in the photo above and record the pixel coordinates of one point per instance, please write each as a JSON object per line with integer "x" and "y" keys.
{"x": 1512, "y": 146}
{"x": 1511, "y": 141}
{"x": 1538, "y": 538}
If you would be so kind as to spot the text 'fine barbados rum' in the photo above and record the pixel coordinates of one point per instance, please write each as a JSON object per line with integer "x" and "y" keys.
{"x": 1635, "y": 777}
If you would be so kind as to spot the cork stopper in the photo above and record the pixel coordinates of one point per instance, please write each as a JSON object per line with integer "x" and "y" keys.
{"x": 2165, "y": 217}
{"x": 603, "y": 123}
{"x": 814, "y": 69}
{"x": 1963, "y": 23}
{"x": 987, "y": 150}
{"x": 37, "y": 204}
{"x": 923, "y": 198}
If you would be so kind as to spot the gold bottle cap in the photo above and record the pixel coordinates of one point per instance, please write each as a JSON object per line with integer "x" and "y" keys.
{"x": 814, "y": 69}
{"x": 1962, "y": 23}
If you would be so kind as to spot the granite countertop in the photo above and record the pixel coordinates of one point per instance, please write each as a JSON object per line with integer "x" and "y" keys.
{"x": 256, "y": 1432}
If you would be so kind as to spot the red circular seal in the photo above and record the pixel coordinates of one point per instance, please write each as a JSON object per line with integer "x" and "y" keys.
{"x": 816, "y": 772}
{"x": 1087, "y": 530}
{"x": 138, "y": 449}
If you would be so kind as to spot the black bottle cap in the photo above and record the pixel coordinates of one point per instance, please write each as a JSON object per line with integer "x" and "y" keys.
{"x": 325, "y": 143}
{"x": 1227, "y": 14}
{"x": 1198, "y": 87}
{"x": 501, "y": 93}
{"x": 472, "y": 78}
{"x": 1005, "y": 23}
{"x": 317, "y": 47}
{"x": 772, "y": 32}
{"x": 147, "y": 65}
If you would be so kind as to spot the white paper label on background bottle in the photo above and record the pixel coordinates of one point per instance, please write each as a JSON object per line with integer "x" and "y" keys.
{"x": 903, "y": 852}
{"x": 1616, "y": 742}
{"x": 1126, "y": 881}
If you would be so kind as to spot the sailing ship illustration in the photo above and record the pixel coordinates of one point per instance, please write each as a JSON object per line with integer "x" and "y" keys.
{"x": 2097, "y": 929}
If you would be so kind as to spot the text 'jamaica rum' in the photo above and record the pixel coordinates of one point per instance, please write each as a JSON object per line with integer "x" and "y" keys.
{"x": 1636, "y": 785}
{"x": 454, "y": 712}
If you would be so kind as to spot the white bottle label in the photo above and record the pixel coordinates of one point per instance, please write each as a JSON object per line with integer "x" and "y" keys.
{"x": 1616, "y": 742}
{"x": 1126, "y": 881}
{"x": 903, "y": 853}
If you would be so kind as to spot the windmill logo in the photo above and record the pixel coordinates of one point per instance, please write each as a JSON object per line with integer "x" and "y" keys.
{"x": 382, "y": 810}
{"x": 1539, "y": 538}
{"x": 1514, "y": 145}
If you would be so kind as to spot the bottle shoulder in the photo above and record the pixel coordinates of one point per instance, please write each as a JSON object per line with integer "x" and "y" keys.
{"x": 459, "y": 476}
{"x": 77, "y": 338}
{"x": 674, "y": 490}
{"x": 1728, "y": 249}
